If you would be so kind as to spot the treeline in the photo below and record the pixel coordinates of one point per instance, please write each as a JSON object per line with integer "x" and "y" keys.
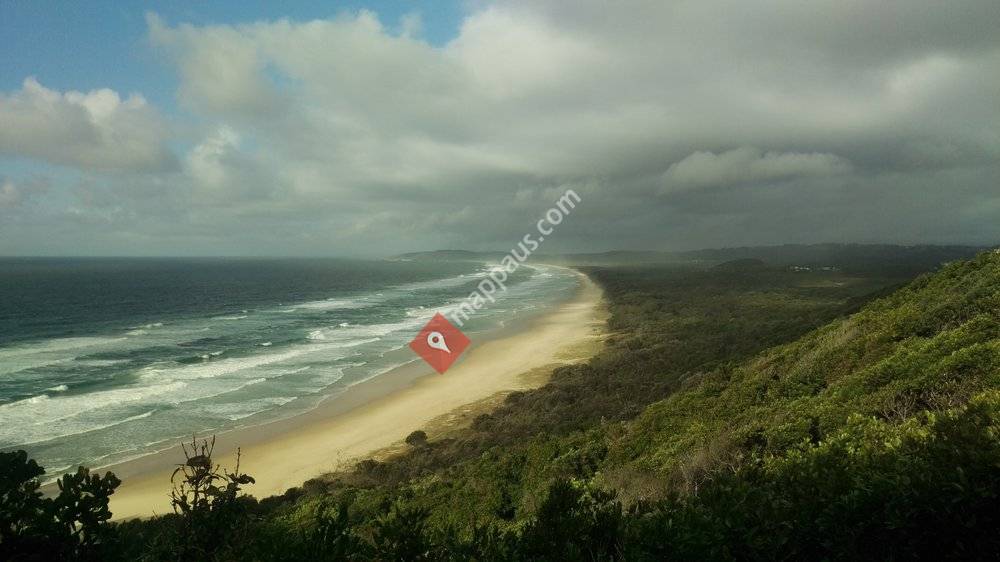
{"x": 757, "y": 415}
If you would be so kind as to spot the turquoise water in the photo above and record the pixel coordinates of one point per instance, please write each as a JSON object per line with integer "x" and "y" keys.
{"x": 106, "y": 360}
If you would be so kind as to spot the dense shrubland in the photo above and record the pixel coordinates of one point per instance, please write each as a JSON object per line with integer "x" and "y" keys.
{"x": 735, "y": 413}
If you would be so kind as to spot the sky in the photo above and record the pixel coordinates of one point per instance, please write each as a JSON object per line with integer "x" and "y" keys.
{"x": 374, "y": 128}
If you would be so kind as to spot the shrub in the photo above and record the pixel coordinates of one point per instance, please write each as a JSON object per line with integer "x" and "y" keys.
{"x": 207, "y": 497}
{"x": 73, "y": 524}
{"x": 417, "y": 439}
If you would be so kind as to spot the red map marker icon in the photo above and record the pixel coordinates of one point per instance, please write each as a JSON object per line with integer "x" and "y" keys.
{"x": 439, "y": 343}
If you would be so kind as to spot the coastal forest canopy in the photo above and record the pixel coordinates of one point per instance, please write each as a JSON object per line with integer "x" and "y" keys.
{"x": 744, "y": 410}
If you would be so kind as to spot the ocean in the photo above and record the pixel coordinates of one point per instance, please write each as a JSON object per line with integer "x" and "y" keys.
{"x": 107, "y": 360}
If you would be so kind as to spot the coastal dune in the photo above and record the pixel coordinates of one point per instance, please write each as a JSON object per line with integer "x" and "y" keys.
{"x": 377, "y": 415}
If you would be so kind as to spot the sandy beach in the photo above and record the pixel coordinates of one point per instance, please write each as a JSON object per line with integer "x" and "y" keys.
{"x": 374, "y": 417}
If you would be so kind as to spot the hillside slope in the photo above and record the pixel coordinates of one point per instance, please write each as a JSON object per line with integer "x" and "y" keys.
{"x": 929, "y": 346}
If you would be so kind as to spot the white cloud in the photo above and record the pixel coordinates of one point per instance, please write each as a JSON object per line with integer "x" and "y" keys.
{"x": 97, "y": 130}
{"x": 513, "y": 54}
{"x": 207, "y": 161}
{"x": 749, "y": 165}
{"x": 220, "y": 67}
{"x": 221, "y": 173}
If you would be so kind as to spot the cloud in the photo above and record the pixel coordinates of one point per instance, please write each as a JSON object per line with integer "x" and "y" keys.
{"x": 220, "y": 71}
{"x": 97, "y": 130}
{"x": 749, "y": 165}
{"x": 350, "y": 134}
{"x": 221, "y": 173}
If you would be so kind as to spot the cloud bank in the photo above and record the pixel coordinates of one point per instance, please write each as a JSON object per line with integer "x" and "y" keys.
{"x": 97, "y": 130}
{"x": 680, "y": 124}
{"x": 749, "y": 165}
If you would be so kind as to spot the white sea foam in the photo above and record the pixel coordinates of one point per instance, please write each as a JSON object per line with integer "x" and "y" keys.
{"x": 334, "y": 304}
{"x": 360, "y": 342}
{"x": 137, "y": 417}
{"x": 413, "y": 312}
{"x": 294, "y": 371}
{"x": 373, "y": 299}
{"x": 11, "y": 367}
{"x": 58, "y": 388}
{"x": 100, "y": 362}
{"x": 222, "y": 367}
{"x": 233, "y": 411}
{"x": 349, "y": 335}
{"x": 442, "y": 283}
{"x": 41, "y": 418}
{"x": 108, "y": 425}
{"x": 22, "y": 357}
{"x": 378, "y": 372}
{"x": 54, "y": 345}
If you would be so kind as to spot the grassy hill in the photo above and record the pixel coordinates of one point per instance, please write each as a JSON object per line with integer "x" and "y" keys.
{"x": 929, "y": 346}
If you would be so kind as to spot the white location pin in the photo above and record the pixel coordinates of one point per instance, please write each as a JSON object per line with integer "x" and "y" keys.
{"x": 436, "y": 340}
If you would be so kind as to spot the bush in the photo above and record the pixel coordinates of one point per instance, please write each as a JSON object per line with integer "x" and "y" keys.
{"x": 416, "y": 439}
{"x": 925, "y": 489}
{"x": 214, "y": 516}
{"x": 72, "y": 525}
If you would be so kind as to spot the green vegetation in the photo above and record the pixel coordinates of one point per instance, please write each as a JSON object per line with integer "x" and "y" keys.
{"x": 70, "y": 525}
{"x": 736, "y": 413}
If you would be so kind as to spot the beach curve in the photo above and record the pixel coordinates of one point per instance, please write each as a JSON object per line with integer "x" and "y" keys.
{"x": 378, "y": 416}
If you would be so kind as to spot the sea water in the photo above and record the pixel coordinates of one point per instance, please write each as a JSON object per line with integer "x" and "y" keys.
{"x": 105, "y": 360}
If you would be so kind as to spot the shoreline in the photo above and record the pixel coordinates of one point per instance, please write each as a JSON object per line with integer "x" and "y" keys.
{"x": 373, "y": 417}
